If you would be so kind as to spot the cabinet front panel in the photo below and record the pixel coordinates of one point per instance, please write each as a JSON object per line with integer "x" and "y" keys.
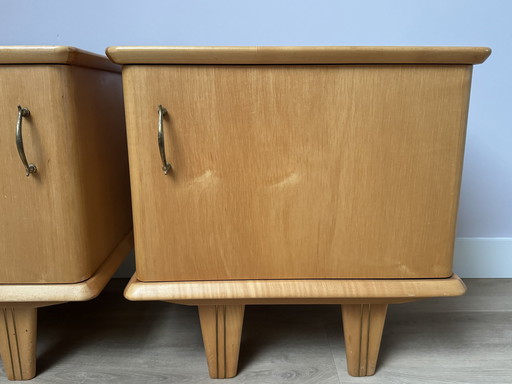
{"x": 282, "y": 172}
{"x": 59, "y": 224}
{"x": 37, "y": 224}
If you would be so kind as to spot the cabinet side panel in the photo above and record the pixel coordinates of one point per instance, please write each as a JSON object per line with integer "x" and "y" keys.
{"x": 296, "y": 171}
{"x": 40, "y": 236}
{"x": 101, "y": 161}
{"x": 461, "y": 106}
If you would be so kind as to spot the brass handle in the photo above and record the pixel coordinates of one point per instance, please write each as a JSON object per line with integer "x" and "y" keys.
{"x": 29, "y": 168}
{"x": 161, "y": 144}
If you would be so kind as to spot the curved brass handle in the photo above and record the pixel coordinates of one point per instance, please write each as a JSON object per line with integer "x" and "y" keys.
{"x": 161, "y": 144}
{"x": 29, "y": 168}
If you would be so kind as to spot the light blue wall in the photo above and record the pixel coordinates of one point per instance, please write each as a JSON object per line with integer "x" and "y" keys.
{"x": 485, "y": 207}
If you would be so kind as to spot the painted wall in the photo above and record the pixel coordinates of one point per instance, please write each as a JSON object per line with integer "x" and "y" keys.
{"x": 485, "y": 206}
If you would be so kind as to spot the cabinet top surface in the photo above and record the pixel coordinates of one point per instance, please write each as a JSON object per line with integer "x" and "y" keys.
{"x": 297, "y": 55}
{"x": 54, "y": 54}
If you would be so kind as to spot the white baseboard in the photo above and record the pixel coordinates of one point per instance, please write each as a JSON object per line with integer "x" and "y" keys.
{"x": 481, "y": 257}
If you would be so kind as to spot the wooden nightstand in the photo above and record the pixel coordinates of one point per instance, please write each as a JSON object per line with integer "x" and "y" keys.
{"x": 64, "y": 194}
{"x": 295, "y": 175}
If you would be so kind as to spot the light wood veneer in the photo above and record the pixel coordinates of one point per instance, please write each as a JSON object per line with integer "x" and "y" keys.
{"x": 59, "y": 224}
{"x": 298, "y": 55}
{"x": 54, "y": 54}
{"x": 362, "y": 329}
{"x": 65, "y": 228}
{"x": 221, "y": 326}
{"x": 326, "y": 291}
{"x": 364, "y": 305}
{"x": 297, "y": 175}
{"x": 289, "y": 172}
{"x": 18, "y": 311}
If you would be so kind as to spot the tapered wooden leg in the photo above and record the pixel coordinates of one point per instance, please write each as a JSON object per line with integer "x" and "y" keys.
{"x": 18, "y": 331}
{"x": 362, "y": 328}
{"x": 221, "y": 326}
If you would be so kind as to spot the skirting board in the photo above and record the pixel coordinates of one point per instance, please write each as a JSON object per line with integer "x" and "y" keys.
{"x": 475, "y": 257}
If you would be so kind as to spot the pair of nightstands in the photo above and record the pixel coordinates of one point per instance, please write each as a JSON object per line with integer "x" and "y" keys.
{"x": 258, "y": 175}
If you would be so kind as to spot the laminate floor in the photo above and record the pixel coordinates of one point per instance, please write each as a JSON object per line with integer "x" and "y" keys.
{"x": 111, "y": 340}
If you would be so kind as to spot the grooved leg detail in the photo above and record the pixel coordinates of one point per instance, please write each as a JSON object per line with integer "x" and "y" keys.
{"x": 362, "y": 329}
{"x": 221, "y": 326}
{"x": 18, "y": 329}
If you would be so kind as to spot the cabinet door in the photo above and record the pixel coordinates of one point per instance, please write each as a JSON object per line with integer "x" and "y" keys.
{"x": 59, "y": 224}
{"x": 37, "y": 211}
{"x": 280, "y": 172}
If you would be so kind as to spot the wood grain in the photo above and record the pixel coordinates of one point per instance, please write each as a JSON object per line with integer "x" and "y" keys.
{"x": 47, "y": 294}
{"x": 18, "y": 311}
{"x": 362, "y": 330}
{"x": 221, "y": 327}
{"x": 18, "y": 332}
{"x": 54, "y": 54}
{"x": 286, "y": 172}
{"x": 297, "y": 55}
{"x": 294, "y": 291}
{"x": 59, "y": 224}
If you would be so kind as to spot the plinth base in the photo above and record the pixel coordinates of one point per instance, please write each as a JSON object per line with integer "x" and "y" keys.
{"x": 364, "y": 304}
{"x": 18, "y": 311}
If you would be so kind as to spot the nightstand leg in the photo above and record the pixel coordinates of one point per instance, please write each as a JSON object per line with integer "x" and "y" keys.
{"x": 18, "y": 330}
{"x": 362, "y": 329}
{"x": 221, "y": 326}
